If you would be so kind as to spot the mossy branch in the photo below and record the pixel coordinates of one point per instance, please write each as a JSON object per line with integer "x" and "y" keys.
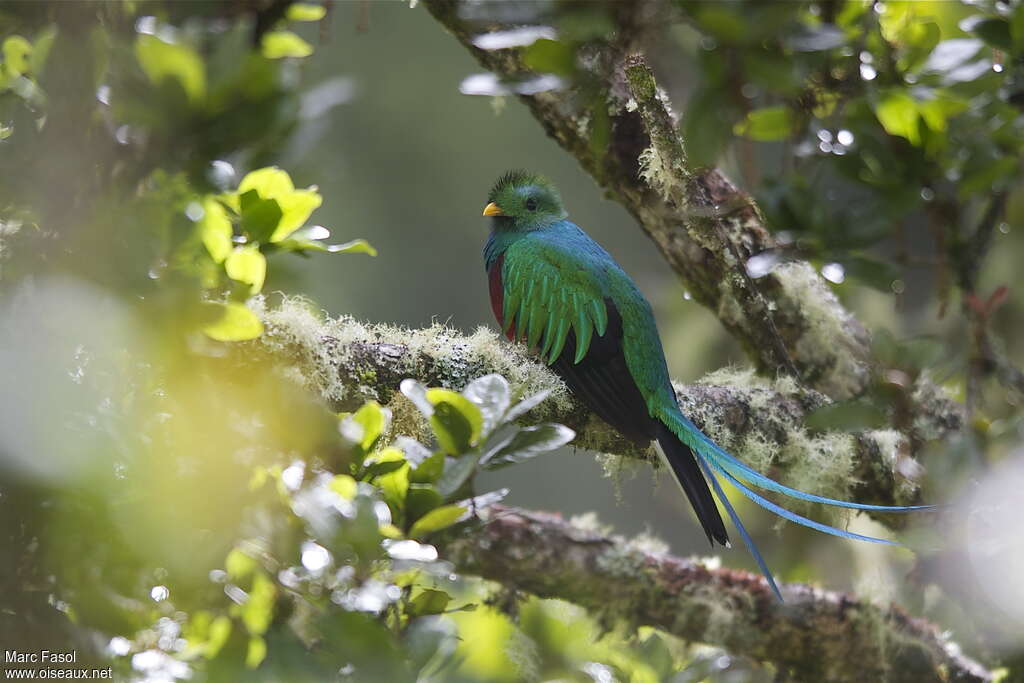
{"x": 704, "y": 226}
{"x": 348, "y": 362}
{"x": 816, "y": 635}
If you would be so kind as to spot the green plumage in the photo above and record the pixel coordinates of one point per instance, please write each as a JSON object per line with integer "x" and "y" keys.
{"x": 563, "y": 295}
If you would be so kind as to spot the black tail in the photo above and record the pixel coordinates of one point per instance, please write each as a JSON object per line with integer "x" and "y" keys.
{"x": 687, "y": 472}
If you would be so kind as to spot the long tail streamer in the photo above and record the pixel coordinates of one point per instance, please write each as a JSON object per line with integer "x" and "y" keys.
{"x": 713, "y": 458}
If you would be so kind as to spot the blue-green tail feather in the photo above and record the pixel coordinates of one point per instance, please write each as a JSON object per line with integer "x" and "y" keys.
{"x": 713, "y": 458}
{"x": 699, "y": 442}
{"x": 747, "y": 540}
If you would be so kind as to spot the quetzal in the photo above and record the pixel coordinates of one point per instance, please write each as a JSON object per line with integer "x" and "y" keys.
{"x": 566, "y": 297}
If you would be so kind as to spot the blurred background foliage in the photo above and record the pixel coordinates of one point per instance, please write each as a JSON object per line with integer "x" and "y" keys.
{"x": 166, "y": 495}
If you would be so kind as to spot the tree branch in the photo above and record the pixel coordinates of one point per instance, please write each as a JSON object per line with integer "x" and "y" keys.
{"x": 791, "y": 318}
{"x": 762, "y": 423}
{"x": 816, "y": 635}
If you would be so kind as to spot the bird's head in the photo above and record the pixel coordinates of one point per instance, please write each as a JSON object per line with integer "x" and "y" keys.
{"x": 522, "y": 201}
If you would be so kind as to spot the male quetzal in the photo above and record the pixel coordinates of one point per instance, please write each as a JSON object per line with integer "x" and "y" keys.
{"x": 560, "y": 292}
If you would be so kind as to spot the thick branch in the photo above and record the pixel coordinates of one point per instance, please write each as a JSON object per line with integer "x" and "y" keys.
{"x": 761, "y": 423}
{"x": 790, "y": 319}
{"x": 816, "y": 635}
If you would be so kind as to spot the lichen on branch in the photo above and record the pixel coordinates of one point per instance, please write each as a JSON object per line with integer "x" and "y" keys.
{"x": 816, "y": 635}
{"x": 761, "y": 422}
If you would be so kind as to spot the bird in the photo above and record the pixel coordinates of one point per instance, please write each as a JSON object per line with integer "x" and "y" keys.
{"x": 556, "y": 289}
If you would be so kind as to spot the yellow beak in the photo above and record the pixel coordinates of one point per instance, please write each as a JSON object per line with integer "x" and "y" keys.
{"x": 492, "y": 209}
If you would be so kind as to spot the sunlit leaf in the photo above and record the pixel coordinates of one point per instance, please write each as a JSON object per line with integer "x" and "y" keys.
{"x": 345, "y": 486}
{"x": 429, "y": 601}
{"x": 767, "y": 124}
{"x": 359, "y": 246}
{"x": 898, "y": 114}
{"x": 457, "y": 423}
{"x": 256, "y": 652}
{"x": 17, "y": 52}
{"x": 258, "y": 610}
{"x": 374, "y": 420}
{"x": 239, "y": 565}
{"x": 269, "y": 183}
{"x": 436, "y": 519}
{"x": 247, "y": 265}
{"x": 296, "y": 206}
{"x": 215, "y": 229}
{"x": 234, "y": 322}
{"x": 162, "y": 60}
{"x": 304, "y": 11}
{"x": 280, "y": 44}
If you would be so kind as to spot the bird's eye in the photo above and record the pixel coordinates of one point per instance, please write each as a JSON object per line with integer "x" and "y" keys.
{"x": 531, "y": 204}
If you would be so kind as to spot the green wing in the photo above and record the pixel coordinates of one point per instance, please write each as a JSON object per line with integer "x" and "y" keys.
{"x": 546, "y": 293}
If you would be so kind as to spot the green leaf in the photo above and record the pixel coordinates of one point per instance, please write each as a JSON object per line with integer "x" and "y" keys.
{"x": 247, "y": 264}
{"x": 17, "y": 53}
{"x": 429, "y": 601}
{"x": 1017, "y": 29}
{"x": 550, "y": 56}
{"x": 260, "y": 217}
{"x": 259, "y": 608}
{"x": 160, "y": 61}
{"x": 239, "y": 565}
{"x": 394, "y": 484}
{"x": 345, "y": 486}
{"x": 374, "y": 420}
{"x": 359, "y": 246}
{"x": 457, "y": 423}
{"x": 429, "y": 470}
{"x": 938, "y": 110}
{"x": 995, "y": 32}
{"x": 421, "y": 499}
{"x": 269, "y": 182}
{"x": 234, "y": 322}
{"x": 304, "y": 11}
{"x": 456, "y": 472}
{"x": 437, "y": 519}
{"x": 491, "y": 394}
{"x": 281, "y": 44}
{"x": 220, "y": 631}
{"x": 256, "y": 652}
{"x": 530, "y": 442}
{"x": 898, "y": 114}
{"x": 767, "y": 124}
{"x": 215, "y": 229}
{"x": 296, "y": 207}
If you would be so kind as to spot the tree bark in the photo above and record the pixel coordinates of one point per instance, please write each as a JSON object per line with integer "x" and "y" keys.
{"x": 816, "y": 635}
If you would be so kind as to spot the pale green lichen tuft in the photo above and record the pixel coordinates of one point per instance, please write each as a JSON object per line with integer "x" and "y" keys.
{"x": 824, "y": 343}
{"x": 322, "y": 349}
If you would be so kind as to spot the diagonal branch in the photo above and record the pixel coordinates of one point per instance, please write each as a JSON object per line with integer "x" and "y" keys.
{"x": 791, "y": 318}
{"x": 761, "y": 423}
{"x": 816, "y": 635}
